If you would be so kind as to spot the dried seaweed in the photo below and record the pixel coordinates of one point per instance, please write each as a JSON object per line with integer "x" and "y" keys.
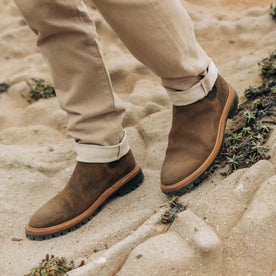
{"x": 42, "y": 89}
{"x": 52, "y": 266}
{"x": 175, "y": 207}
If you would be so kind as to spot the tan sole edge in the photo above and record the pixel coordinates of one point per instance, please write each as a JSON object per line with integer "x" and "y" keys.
{"x": 185, "y": 182}
{"x": 68, "y": 224}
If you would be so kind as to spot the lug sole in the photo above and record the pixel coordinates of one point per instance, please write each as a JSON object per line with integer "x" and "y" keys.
{"x": 133, "y": 181}
{"x": 182, "y": 187}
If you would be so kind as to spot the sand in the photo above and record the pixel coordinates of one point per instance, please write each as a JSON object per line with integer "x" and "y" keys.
{"x": 229, "y": 226}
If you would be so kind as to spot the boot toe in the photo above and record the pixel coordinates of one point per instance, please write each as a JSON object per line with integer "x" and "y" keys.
{"x": 43, "y": 218}
{"x": 54, "y": 212}
{"x": 171, "y": 175}
{"x": 37, "y": 220}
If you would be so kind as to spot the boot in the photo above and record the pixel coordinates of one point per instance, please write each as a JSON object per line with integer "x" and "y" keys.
{"x": 89, "y": 187}
{"x": 196, "y": 137}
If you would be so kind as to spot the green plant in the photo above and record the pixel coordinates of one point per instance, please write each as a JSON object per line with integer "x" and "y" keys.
{"x": 251, "y": 91}
{"x": 42, "y": 89}
{"x": 272, "y": 11}
{"x": 250, "y": 117}
{"x": 268, "y": 65}
{"x": 245, "y": 131}
{"x": 252, "y": 157}
{"x": 258, "y": 148}
{"x": 264, "y": 128}
{"x": 240, "y": 106}
{"x": 53, "y": 266}
{"x": 259, "y": 137}
{"x": 236, "y": 138}
{"x": 245, "y": 139}
{"x": 256, "y": 103}
{"x": 233, "y": 161}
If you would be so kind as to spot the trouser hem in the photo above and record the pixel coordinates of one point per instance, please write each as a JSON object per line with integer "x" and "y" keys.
{"x": 196, "y": 92}
{"x": 90, "y": 153}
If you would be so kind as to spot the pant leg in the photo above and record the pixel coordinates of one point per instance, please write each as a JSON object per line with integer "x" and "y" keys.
{"x": 160, "y": 34}
{"x": 67, "y": 39}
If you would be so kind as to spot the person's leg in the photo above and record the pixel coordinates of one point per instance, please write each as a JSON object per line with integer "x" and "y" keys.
{"x": 160, "y": 34}
{"x": 67, "y": 39}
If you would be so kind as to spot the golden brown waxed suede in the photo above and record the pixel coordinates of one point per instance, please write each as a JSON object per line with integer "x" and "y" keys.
{"x": 196, "y": 136}
{"x": 87, "y": 183}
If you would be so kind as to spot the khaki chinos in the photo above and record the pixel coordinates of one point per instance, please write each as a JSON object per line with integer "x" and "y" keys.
{"x": 159, "y": 33}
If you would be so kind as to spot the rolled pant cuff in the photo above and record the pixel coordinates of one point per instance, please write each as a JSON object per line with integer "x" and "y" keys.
{"x": 90, "y": 153}
{"x": 198, "y": 91}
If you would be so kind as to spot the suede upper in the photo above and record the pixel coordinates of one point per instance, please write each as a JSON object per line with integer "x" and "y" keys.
{"x": 193, "y": 134}
{"x": 87, "y": 183}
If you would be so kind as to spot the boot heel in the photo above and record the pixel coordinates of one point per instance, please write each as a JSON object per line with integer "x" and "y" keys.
{"x": 131, "y": 185}
{"x": 234, "y": 107}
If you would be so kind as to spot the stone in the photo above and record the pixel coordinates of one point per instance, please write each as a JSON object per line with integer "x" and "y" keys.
{"x": 206, "y": 244}
{"x": 165, "y": 254}
{"x": 225, "y": 204}
{"x": 200, "y": 236}
{"x": 113, "y": 258}
{"x": 59, "y": 120}
{"x": 32, "y": 135}
{"x": 42, "y": 112}
{"x": 132, "y": 114}
{"x": 154, "y": 131}
{"x": 147, "y": 91}
{"x": 20, "y": 92}
{"x": 272, "y": 146}
{"x": 251, "y": 244}
{"x": 136, "y": 144}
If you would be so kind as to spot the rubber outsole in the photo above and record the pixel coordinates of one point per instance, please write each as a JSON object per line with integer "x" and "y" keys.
{"x": 128, "y": 187}
{"x": 232, "y": 112}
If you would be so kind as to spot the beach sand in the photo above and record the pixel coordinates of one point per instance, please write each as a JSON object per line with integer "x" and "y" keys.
{"x": 229, "y": 227}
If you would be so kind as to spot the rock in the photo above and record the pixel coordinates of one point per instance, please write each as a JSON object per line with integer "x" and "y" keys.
{"x": 206, "y": 244}
{"x": 132, "y": 114}
{"x": 25, "y": 76}
{"x": 59, "y": 120}
{"x": 150, "y": 108}
{"x": 19, "y": 92}
{"x": 33, "y": 135}
{"x": 155, "y": 127}
{"x": 120, "y": 65}
{"x": 199, "y": 235}
{"x": 272, "y": 146}
{"x": 2, "y": 120}
{"x": 251, "y": 244}
{"x": 257, "y": 11}
{"x": 136, "y": 144}
{"x": 154, "y": 131}
{"x": 36, "y": 157}
{"x": 146, "y": 91}
{"x": 165, "y": 254}
{"x": 45, "y": 112}
{"x": 113, "y": 258}
{"x": 235, "y": 192}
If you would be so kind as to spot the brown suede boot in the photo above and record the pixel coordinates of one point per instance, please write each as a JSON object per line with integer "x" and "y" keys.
{"x": 196, "y": 137}
{"x": 88, "y": 188}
